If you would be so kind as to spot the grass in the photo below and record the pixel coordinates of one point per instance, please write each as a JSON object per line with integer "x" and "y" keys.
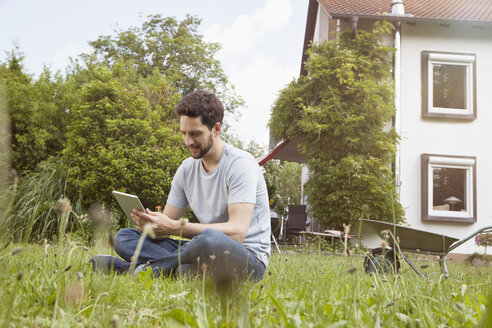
{"x": 51, "y": 286}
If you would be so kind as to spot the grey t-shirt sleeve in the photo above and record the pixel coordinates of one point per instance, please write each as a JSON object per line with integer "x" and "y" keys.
{"x": 242, "y": 181}
{"x": 177, "y": 195}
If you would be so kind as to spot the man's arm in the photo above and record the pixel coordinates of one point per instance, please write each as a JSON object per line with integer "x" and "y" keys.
{"x": 166, "y": 223}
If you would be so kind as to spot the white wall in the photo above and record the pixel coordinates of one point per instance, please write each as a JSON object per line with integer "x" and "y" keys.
{"x": 443, "y": 136}
{"x": 321, "y": 32}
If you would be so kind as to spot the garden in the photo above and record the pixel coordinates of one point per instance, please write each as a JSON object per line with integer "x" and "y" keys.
{"x": 51, "y": 284}
{"x": 108, "y": 124}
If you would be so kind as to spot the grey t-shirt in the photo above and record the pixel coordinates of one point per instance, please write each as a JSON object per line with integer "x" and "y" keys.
{"x": 236, "y": 179}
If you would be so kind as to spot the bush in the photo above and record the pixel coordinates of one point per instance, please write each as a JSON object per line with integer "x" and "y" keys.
{"x": 123, "y": 136}
{"x": 339, "y": 114}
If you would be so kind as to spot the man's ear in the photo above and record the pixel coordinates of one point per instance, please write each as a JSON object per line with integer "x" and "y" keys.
{"x": 217, "y": 128}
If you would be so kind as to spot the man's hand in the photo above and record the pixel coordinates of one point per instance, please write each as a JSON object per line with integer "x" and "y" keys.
{"x": 163, "y": 226}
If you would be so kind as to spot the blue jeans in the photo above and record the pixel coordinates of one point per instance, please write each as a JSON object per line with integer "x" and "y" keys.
{"x": 210, "y": 251}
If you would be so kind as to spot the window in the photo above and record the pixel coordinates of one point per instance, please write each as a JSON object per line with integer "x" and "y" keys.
{"x": 448, "y": 85}
{"x": 448, "y": 188}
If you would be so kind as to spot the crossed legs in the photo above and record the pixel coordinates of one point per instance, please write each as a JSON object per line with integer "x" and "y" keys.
{"x": 210, "y": 251}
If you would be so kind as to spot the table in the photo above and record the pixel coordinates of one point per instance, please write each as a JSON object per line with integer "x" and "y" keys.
{"x": 323, "y": 235}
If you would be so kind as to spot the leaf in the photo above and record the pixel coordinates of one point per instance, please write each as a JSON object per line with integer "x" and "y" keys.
{"x": 178, "y": 318}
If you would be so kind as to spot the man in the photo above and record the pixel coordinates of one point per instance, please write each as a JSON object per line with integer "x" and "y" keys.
{"x": 224, "y": 187}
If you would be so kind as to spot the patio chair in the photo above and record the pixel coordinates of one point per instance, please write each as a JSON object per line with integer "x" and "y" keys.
{"x": 296, "y": 220}
{"x": 276, "y": 224}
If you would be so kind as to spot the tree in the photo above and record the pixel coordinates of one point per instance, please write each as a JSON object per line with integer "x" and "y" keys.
{"x": 38, "y": 112}
{"x": 175, "y": 49}
{"x": 123, "y": 136}
{"x": 339, "y": 114}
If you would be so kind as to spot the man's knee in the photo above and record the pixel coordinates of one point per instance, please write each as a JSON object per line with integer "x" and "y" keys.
{"x": 123, "y": 236}
{"x": 210, "y": 239}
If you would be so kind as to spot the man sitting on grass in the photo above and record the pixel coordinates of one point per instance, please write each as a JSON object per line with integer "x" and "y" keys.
{"x": 224, "y": 187}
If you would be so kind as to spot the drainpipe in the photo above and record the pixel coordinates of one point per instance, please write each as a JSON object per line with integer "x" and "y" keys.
{"x": 355, "y": 19}
{"x": 397, "y": 8}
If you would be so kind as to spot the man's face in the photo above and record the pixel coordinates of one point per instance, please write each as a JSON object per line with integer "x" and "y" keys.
{"x": 196, "y": 136}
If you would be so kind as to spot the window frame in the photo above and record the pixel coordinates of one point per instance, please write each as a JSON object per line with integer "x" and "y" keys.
{"x": 468, "y": 60}
{"x": 428, "y": 162}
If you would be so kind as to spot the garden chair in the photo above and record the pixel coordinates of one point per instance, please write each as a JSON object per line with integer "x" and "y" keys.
{"x": 296, "y": 221}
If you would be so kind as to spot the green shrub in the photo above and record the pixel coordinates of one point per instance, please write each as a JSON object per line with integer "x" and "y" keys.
{"x": 123, "y": 136}
{"x": 39, "y": 112}
{"x": 339, "y": 114}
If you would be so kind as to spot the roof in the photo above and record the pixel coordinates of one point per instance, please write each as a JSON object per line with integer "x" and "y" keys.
{"x": 286, "y": 150}
{"x": 460, "y": 10}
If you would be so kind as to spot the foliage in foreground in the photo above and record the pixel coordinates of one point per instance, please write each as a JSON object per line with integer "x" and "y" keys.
{"x": 339, "y": 114}
{"x": 51, "y": 285}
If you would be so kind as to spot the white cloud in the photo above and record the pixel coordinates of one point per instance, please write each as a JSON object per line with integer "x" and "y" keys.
{"x": 258, "y": 83}
{"x": 257, "y": 76}
{"x": 248, "y": 31}
{"x": 62, "y": 57}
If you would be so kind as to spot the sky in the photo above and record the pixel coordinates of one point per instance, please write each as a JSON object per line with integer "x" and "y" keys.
{"x": 261, "y": 40}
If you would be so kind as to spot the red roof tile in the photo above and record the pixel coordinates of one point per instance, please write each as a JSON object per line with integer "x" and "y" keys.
{"x": 471, "y": 10}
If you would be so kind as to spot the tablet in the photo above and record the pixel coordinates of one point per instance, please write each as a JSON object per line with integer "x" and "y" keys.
{"x": 128, "y": 203}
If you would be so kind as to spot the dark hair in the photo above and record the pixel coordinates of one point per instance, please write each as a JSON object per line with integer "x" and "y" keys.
{"x": 202, "y": 104}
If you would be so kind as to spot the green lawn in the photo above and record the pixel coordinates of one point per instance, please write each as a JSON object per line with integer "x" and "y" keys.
{"x": 45, "y": 286}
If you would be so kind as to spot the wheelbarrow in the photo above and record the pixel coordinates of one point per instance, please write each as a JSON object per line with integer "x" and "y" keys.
{"x": 405, "y": 239}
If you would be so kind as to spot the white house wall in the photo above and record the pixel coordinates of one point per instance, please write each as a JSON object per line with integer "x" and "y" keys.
{"x": 321, "y": 32}
{"x": 445, "y": 137}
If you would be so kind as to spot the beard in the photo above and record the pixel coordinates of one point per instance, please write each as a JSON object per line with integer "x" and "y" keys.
{"x": 204, "y": 149}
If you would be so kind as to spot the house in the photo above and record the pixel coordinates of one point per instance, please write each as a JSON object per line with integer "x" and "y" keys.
{"x": 443, "y": 96}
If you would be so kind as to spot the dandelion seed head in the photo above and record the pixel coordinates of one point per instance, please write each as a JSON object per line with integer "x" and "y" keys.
{"x": 204, "y": 267}
{"x": 352, "y": 270}
{"x": 148, "y": 229}
{"x": 80, "y": 275}
{"x": 63, "y": 206}
{"x": 74, "y": 293}
{"x": 99, "y": 215}
{"x": 384, "y": 244}
{"x": 346, "y": 228}
{"x": 227, "y": 252}
{"x": 385, "y": 234}
{"x": 183, "y": 222}
{"x": 212, "y": 257}
{"x": 17, "y": 250}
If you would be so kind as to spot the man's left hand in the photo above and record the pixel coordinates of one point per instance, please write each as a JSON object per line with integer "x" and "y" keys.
{"x": 163, "y": 226}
